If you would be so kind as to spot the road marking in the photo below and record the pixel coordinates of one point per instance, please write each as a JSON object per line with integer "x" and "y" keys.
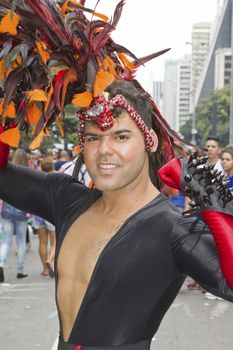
{"x": 55, "y": 345}
{"x": 220, "y": 308}
{"x": 17, "y": 298}
{"x": 52, "y": 315}
{"x": 185, "y": 306}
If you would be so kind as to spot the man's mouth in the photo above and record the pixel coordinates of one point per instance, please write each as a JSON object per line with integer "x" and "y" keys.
{"x": 107, "y": 166}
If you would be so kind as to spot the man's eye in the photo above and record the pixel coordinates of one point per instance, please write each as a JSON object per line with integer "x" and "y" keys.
{"x": 122, "y": 137}
{"x": 91, "y": 138}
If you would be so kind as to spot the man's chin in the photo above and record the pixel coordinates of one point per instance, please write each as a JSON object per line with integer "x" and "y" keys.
{"x": 107, "y": 186}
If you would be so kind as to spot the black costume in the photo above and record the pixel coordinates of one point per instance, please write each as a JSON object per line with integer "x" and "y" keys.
{"x": 138, "y": 273}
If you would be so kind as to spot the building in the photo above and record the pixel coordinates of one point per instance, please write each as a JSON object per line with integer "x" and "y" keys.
{"x": 170, "y": 92}
{"x": 201, "y": 34}
{"x": 177, "y": 83}
{"x": 183, "y": 97}
{"x": 223, "y": 58}
{"x": 157, "y": 94}
{"x": 220, "y": 48}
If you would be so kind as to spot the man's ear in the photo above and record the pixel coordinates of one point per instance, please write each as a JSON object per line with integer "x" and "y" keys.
{"x": 155, "y": 140}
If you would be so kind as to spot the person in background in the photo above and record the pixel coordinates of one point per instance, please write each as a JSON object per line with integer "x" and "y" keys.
{"x": 212, "y": 144}
{"x": 36, "y": 155}
{"x": 227, "y": 164}
{"x": 62, "y": 159}
{"x": 49, "y": 153}
{"x": 46, "y": 231}
{"x": 14, "y": 221}
{"x": 177, "y": 198}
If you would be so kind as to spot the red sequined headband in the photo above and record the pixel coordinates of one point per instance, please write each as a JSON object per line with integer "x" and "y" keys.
{"x": 100, "y": 112}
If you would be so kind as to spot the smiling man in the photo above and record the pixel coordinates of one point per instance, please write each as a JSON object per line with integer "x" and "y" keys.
{"x": 123, "y": 250}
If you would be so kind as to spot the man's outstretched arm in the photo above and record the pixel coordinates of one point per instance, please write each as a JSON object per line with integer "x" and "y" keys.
{"x": 211, "y": 197}
{"x": 25, "y": 189}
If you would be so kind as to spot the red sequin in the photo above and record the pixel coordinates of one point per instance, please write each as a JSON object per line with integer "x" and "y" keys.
{"x": 78, "y": 347}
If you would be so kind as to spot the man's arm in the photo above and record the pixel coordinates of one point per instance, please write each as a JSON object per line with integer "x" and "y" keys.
{"x": 26, "y": 189}
{"x": 22, "y": 187}
{"x": 207, "y": 188}
{"x": 195, "y": 254}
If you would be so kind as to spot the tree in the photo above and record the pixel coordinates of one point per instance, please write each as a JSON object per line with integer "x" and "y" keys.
{"x": 212, "y": 118}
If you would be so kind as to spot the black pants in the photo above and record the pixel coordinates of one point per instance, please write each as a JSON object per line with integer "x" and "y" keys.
{"x": 144, "y": 345}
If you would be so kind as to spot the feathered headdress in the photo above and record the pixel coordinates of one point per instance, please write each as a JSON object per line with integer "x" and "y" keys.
{"x": 52, "y": 55}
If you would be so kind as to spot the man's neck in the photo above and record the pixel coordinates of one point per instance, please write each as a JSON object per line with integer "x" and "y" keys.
{"x": 127, "y": 199}
{"x": 213, "y": 160}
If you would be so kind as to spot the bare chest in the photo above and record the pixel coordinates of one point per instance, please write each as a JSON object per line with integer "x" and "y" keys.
{"x": 83, "y": 245}
{"x": 77, "y": 259}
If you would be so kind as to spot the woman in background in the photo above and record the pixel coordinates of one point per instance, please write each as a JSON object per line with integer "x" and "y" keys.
{"x": 14, "y": 221}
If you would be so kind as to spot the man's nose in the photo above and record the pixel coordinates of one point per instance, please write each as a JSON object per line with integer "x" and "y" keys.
{"x": 105, "y": 145}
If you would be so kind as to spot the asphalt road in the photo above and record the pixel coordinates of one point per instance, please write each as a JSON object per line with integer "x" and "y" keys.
{"x": 28, "y": 317}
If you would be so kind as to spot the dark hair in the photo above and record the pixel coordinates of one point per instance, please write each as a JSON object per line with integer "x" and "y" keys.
{"x": 228, "y": 149}
{"x": 213, "y": 138}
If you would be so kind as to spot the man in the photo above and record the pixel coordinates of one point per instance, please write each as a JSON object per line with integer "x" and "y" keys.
{"x": 122, "y": 249}
{"x": 62, "y": 159}
{"x": 213, "y": 147}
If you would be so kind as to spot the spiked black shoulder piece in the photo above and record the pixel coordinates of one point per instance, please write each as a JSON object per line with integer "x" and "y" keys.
{"x": 205, "y": 186}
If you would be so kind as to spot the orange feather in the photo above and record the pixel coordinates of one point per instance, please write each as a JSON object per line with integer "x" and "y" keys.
{"x": 102, "y": 80}
{"x": 37, "y": 141}
{"x": 109, "y": 66}
{"x": 59, "y": 124}
{"x": 11, "y": 137}
{"x": 9, "y": 23}
{"x": 43, "y": 51}
{"x": 36, "y": 95}
{"x": 64, "y": 8}
{"x": 49, "y": 94}
{"x": 126, "y": 62}
{"x": 83, "y": 99}
{"x": 2, "y": 69}
{"x": 10, "y": 111}
{"x": 33, "y": 114}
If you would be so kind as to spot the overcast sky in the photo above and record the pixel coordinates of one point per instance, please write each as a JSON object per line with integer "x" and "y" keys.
{"x": 147, "y": 26}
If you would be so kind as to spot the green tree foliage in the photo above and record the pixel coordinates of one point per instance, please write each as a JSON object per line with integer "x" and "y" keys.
{"x": 206, "y": 122}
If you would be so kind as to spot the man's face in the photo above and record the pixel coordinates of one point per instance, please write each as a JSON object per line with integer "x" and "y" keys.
{"x": 213, "y": 150}
{"x": 115, "y": 158}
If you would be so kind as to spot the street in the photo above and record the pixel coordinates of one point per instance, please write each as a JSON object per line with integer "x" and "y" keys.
{"x": 28, "y": 318}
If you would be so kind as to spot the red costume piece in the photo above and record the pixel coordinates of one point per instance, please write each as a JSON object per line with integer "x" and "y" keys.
{"x": 4, "y": 151}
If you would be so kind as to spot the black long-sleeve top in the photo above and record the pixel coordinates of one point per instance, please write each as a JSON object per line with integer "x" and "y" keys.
{"x": 140, "y": 270}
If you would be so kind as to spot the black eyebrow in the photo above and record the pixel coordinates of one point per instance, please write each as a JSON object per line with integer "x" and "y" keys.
{"x": 118, "y": 132}
{"x": 122, "y": 131}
